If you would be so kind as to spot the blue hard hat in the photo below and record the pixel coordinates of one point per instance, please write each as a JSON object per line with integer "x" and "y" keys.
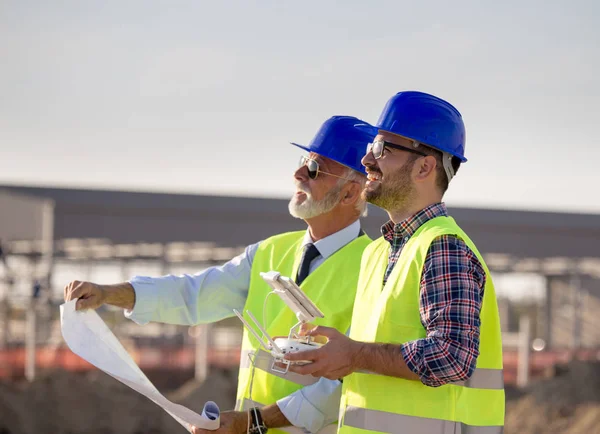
{"x": 426, "y": 119}
{"x": 343, "y": 139}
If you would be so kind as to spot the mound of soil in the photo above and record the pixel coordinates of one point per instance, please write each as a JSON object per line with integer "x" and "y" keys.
{"x": 95, "y": 403}
{"x": 568, "y": 402}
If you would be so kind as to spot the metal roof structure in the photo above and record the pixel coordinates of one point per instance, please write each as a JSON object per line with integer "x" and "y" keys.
{"x": 152, "y": 224}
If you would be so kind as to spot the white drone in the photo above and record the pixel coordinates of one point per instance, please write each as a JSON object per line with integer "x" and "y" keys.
{"x": 305, "y": 311}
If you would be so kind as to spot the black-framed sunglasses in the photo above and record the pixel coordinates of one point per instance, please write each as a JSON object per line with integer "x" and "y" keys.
{"x": 378, "y": 146}
{"x": 314, "y": 170}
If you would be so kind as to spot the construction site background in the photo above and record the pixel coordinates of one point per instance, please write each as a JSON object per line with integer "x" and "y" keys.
{"x": 68, "y": 395}
{"x": 545, "y": 267}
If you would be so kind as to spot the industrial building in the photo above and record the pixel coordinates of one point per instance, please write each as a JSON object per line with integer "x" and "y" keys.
{"x": 53, "y": 235}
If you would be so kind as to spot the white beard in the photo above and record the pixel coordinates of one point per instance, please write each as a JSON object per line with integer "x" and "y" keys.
{"x": 311, "y": 208}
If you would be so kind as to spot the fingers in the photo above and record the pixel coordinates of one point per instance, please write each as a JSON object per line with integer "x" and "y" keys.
{"x": 319, "y": 339}
{"x": 320, "y": 369}
{"x": 309, "y": 369}
{"x": 68, "y": 288}
{"x": 87, "y": 294}
{"x": 311, "y": 355}
{"x": 196, "y": 430}
{"x": 84, "y": 289}
{"x": 87, "y": 303}
{"x": 280, "y": 365}
{"x": 328, "y": 332}
{"x": 305, "y": 329}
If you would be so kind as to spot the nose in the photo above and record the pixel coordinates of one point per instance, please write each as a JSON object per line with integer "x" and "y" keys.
{"x": 301, "y": 174}
{"x": 368, "y": 159}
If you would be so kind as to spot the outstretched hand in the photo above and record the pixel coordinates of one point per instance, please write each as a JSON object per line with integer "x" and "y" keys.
{"x": 89, "y": 295}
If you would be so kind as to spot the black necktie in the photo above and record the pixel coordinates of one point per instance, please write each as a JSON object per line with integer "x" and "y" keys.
{"x": 310, "y": 252}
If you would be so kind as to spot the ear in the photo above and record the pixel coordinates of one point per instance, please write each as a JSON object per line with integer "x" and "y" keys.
{"x": 350, "y": 193}
{"x": 425, "y": 167}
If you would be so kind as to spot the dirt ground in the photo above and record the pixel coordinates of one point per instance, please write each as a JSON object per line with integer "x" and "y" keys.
{"x": 95, "y": 403}
{"x": 567, "y": 402}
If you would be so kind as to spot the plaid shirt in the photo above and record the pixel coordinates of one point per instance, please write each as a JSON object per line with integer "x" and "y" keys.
{"x": 450, "y": 301}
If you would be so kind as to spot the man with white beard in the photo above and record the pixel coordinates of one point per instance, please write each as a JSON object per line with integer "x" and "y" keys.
{"x": 328, "y": 182}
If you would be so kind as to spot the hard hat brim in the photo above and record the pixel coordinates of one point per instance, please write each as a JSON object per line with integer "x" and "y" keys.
{"x": 307, "y": 149}
{"x": 301, "y": 146}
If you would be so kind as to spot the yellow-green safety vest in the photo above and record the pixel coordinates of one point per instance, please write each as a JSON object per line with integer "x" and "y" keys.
{"x": 332, "y": 287}
{"x": 378, "y": 403}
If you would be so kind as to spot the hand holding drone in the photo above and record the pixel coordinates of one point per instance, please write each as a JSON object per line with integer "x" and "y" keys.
{"x": 305, "y": 311}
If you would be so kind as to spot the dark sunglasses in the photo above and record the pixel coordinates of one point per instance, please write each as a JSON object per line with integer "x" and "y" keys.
{"x": 378, "y": 146}
{"x": 314, "y": 170}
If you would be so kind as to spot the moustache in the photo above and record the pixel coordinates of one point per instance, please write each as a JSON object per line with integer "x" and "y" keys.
{"x": 372, "y": 168}
{"x": 302, "y": 188}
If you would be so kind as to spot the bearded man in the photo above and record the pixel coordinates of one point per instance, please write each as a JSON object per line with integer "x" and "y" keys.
{"x": 424, "y": 354}
{"x": 324, "y": 260}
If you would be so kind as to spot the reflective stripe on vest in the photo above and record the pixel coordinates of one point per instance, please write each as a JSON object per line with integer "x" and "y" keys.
{"x": 482, "y": 378}
{"x": 374, "y": 420}
{"x": 264, "y": 362}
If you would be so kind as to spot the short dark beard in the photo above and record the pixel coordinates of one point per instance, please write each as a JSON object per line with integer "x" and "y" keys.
{"x": 398, "y": 191}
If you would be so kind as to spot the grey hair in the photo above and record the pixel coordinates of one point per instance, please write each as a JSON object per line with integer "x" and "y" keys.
{"x": 361, "y": 178}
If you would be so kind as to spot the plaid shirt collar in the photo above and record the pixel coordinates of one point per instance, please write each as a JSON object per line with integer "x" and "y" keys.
{"x": 406, "y": 228}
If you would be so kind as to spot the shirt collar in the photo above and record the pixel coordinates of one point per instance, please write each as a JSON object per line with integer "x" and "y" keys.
{"x": 406, "y": 228}
{"x": 332, "y": 243}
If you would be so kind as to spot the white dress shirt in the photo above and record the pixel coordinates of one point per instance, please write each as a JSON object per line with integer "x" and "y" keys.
{"x": 212, "y": 294}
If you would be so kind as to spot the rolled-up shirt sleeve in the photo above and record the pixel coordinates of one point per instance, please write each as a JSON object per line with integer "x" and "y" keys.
{"x": 189, "y": 299}
{"x": 450, "y": 302}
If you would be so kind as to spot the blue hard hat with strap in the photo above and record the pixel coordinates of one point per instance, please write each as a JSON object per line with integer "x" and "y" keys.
{"x": 428, "y": 120}
{"x": 343, "y": 139}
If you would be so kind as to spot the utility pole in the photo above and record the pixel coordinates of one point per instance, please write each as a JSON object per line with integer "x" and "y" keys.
{"x": 201, "y": 363}
{"x": 6, "y": 283}
{"x": 524, "y": 351}
{"x": 31, "y": 335}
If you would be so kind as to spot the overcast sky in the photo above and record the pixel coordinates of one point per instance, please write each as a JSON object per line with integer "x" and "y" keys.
{"x": 203, "y": 97}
